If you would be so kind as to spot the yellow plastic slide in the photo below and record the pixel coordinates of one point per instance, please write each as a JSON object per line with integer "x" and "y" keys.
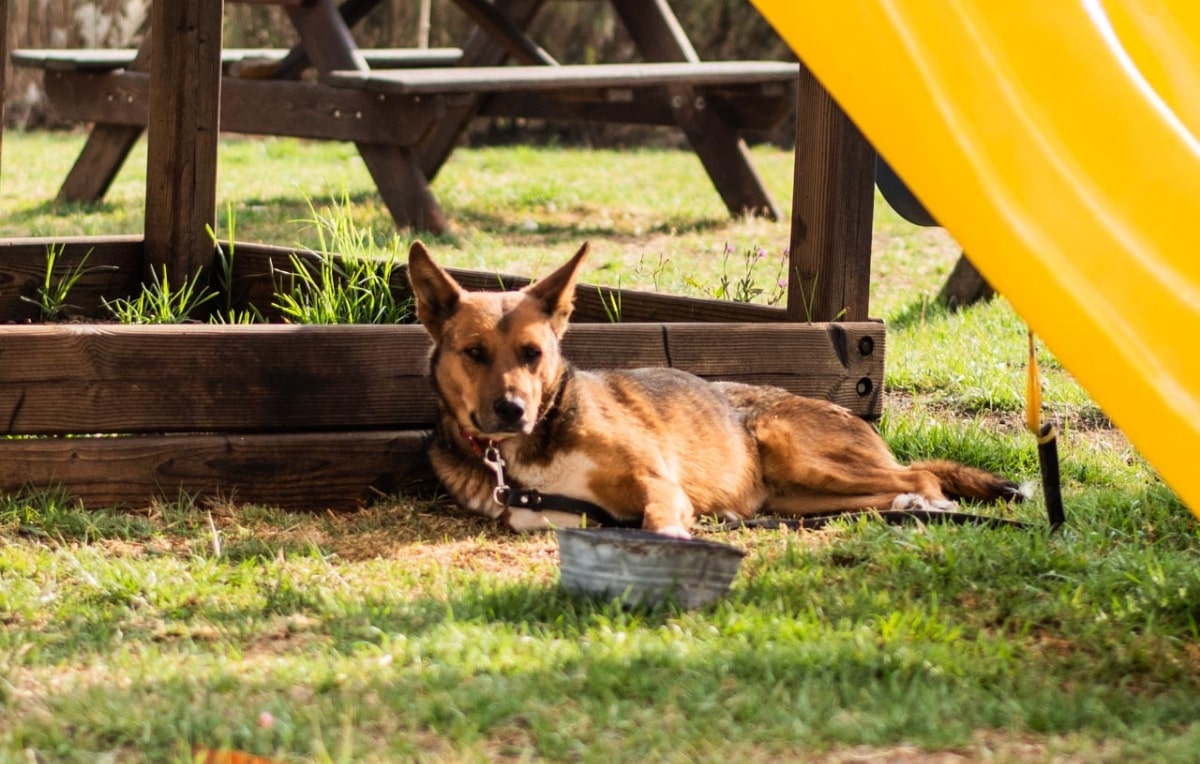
{"x": 1058, "y": 143}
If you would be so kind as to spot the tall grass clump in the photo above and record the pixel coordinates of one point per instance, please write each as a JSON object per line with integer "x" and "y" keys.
{"x": 161, "y": 302}
{"x": 354, "y": 287}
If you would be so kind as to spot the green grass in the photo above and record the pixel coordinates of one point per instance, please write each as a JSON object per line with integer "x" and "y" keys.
{"x": 410, "y": 631}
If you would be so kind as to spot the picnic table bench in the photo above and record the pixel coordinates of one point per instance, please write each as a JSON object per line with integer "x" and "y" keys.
{"x": 405, "y": 109}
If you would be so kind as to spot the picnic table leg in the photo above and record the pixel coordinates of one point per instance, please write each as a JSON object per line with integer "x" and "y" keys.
{"x": 103, "y": 154}
{"x": 829, "y": 274}
{"x": 396, "y": 171}
{"x": 659, "y": 37}
{"x": 105, "y": 151}
{"x": 403, "y": 187}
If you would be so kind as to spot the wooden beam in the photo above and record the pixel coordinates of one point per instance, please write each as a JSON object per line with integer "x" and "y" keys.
{"x": 181, "y": 164}
{"x": 269, "y": 107}
{"x": 301, "y": 471}
{"x": 66, "y": 379}
{"x": 965, "y": 286}
{"x": 296, "y": 60}
{"x": 830, "y": 272}
{"x": 254, "y": 284}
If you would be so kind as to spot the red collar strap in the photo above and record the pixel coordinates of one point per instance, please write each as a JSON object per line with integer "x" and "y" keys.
{"x": 476, "y": 446}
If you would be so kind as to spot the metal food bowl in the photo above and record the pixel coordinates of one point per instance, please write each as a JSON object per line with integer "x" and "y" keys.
{"x": 644, "y": 569}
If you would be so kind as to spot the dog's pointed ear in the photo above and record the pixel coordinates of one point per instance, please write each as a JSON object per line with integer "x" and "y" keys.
{"x": 436, "y": 292}
{"x": 556, "y": 292}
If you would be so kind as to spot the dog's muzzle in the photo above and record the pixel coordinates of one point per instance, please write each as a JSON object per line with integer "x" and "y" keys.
{"x": 509, "y": 411}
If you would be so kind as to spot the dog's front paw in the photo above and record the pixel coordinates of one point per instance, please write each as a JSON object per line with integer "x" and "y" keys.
{"x": 915, "y": 502}
{"x": 674, "y": 531}
{"x": 909, "y": 502}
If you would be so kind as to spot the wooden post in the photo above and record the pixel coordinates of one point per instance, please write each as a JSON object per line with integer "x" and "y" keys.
{"x": 830, "y": 270}
{"x": 184, "y": 115}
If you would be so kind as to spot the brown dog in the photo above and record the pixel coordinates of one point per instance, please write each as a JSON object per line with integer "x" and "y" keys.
{"x": 655, "y": 447}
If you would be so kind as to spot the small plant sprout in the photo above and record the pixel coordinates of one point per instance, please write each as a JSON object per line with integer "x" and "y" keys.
{"x": 52, "y": 294}
{"x": 610, "y": 300}
{"x": 744, "y": 284}
{"x": 653, "y": 271}
{"x": 229, "y": 314}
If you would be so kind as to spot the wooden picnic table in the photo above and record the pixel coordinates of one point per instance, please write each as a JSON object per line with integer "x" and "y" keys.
{"x": 406, "y": 116}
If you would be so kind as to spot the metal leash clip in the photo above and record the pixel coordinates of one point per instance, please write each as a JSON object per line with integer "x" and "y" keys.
{"x": 495, "y": 462}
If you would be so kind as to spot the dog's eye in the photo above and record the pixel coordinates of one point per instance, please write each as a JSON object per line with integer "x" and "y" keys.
{"x": 475, "y": 353}
{"x": 531, "y": 354}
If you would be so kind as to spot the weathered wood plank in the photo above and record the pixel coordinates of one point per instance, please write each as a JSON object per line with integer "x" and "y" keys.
{"x": 297, "y": 60}
{"x": 63, "y": 379}
{"x": 590, "y": 301}
{"x": 60, "y": 379}
{"x": 98, "y": 163}
{"x": 502, "y": 28}
{"x": 502, "y": 79}
{"x": 965, "y": 286}
{"x": 181, "y": 161}
{"x": 832, "y": 205}
{"x": 744, "y": 107}
{"x": 843, "y": 363}
{"x": 106, "y": 149}
{"x": 396, "y": 170}
{"x": 113, "y": 269}
{"x": 305, "y": 471}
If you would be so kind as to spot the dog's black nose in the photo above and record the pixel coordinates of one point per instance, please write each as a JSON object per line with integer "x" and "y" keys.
{"x": 509, "y": 410}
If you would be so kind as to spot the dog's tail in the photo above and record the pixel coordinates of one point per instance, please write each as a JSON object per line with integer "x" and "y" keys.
{"x": 962, "y": 482}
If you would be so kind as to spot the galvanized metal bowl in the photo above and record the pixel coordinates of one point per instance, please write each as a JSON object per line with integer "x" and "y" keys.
{"x": 644, "y": 569}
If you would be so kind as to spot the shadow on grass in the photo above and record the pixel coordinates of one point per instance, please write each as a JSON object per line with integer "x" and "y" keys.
{"x": 551, "y": 232}
{"x": 51, "y": 207}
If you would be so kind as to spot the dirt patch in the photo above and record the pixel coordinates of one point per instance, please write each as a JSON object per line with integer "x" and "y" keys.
{"x": 1090, "y": 424}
